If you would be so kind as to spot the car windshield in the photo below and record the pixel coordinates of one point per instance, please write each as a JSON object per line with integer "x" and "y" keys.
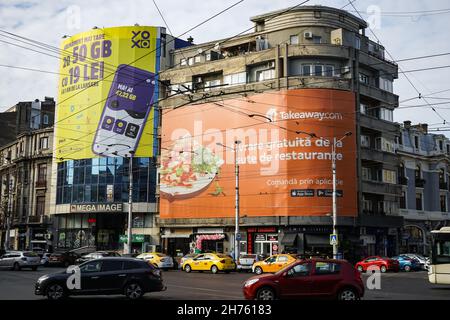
{"x": 223, "y": 256}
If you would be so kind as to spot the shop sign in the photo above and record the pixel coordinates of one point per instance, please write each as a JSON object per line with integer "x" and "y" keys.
{"x": 97, "y": 207}
{"x": 134, "y": 238}
{"x": 272, "y": 237}
{"x": 209, "y": 230}
{"x": 260, "y": 237}
{"x": 262, "y": 229}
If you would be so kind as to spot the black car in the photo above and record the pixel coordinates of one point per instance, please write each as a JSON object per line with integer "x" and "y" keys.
{"x": 67, "y": 258}
{"x": 97, "y": 255}
{"x": 128, "y": 276}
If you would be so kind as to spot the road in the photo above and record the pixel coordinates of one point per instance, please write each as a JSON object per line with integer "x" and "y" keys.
{"x": 19, "y": 285}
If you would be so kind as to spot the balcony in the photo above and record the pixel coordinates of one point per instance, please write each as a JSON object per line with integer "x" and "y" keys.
{"x": 378, "y": 94}
{"x": 41, "y": 184}
{"x": 386, "y": 66}
{"x": 378, "y": 187}
{"x": 38, "y": 219}
{"x": 403, "y": 181}
{"x": 377, "y": 124}
{"x": 378, "y": 156}
{"x": 420, "y": 183}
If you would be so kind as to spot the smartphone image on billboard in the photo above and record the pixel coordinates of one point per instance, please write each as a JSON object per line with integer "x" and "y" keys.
{"x": 125, "y": 113}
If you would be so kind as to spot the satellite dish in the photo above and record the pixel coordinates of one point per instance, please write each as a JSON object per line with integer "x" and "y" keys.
{"x": 200, "y": 51}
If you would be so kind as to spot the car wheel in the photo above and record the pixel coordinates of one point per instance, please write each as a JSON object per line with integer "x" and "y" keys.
{"x": 133, "y": 291}
{"x": 187, "y": 268}
{"x": 34, "y": 268}
{"x": 360, "y": 269}
{"x": 55, "y": 292}
{"x": 16, "y": 266}
{"x": 348, "y": 294}
{"x": 214, "y": 269}
{"x": 265, "y": 293}
{"x": 383, "y": 269}
{"x": 407, "y": 268}
{"x": 258, "y": 270}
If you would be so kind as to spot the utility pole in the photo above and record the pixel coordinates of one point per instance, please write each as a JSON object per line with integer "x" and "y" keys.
{"x": 333, "y": 168}
{"x": 236, "y": 207}
{"x": 130, "y": 204}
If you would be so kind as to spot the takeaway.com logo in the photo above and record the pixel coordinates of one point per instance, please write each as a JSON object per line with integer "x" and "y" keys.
{"x": 290, "y": 115}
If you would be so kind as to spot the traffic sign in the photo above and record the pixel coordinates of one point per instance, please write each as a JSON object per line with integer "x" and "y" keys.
{"x": 333, "y": 239}
{"x": 238, "y": 236}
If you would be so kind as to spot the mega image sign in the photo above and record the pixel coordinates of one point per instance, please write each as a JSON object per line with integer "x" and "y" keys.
{"x": 107, "y": 91}
{"x": 284, "y": 155}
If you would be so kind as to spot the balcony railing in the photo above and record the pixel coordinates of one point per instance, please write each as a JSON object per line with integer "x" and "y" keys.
{"x": 403, "y": 181}
{"x": 420, "y": 183}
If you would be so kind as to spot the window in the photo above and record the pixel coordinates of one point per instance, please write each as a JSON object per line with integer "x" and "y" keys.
{"x": 299, "y": 270}
{"x": 366, "y": 175}
{"x": 318, "y": 70}
{"x": 329, "y": 71}
{"x": 111, "y": 265}
{"x": 42, "y": 173}
{"x": 386, "y": 114}
{"x": 386, "y": 84}
{"x": 442, "y": 176}
{"x": 45, "y": 119}
{"x": 327, "y": 268}
{"x": 416, "y": 142}
{"x": 448, "y": 149}
{"x": 264, "y": 75}
{"x": 389, "y": 207}
{"x": 270, "y": 260}
{"x": 389, "y": 176}
{"x": 443, "y": 202}
{"x": 94, "y": 266}
{"x": 365, "y": 141}
{"x": 387, "y": 145}
{"x": 419, "y": 204}
{"x": 363, "y": 78}
{"x": 198, "y": 59}
{"x": 235, "y": 79}
{"x": 43, "y": 143}
{"x": 403, "y": 200}
{"x": 129, "y": 265}
{"x": 441, "y": 145}
{"x": 183, "y": 62}
{"x": 294, "y": 39}
{"x": 306, "y": 70}
{"x": 358, "y": 43}
{"x": 282, "y": 259}
{"x": 211, "y": 85}
{"x": 442, "y": 252}
{"x": 191, "y": 61}
{"x": 363, "y": 108}
{"x": 317, "y": 39}
{"x": 40, "y": 206}
{"x": 418, "y": 173}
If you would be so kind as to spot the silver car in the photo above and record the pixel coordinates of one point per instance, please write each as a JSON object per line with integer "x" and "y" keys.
{"x": 423, "y": 261}
{"x": 17, "y": 260}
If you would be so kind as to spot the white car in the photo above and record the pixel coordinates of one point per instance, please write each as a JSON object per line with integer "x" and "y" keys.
{"x": 17, "y": 260}
{"x": 424, "y": 262}
{"x": 44, "y": 259}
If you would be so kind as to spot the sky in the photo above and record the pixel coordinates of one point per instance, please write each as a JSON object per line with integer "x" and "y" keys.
{"x": 404, "y": 32}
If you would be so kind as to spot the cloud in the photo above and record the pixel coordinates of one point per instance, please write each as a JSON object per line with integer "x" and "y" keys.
{"x": 47, "y": 21}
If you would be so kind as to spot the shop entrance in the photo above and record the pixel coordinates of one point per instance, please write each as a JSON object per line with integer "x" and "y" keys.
{"x": 266, "y": 247}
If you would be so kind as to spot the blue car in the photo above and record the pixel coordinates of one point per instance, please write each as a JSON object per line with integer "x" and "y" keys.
{"x": 407, "y": 264}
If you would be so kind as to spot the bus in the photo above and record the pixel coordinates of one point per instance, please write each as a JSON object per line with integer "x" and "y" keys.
{"x": 439, "y": 268}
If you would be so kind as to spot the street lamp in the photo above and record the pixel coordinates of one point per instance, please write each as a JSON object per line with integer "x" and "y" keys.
{"x": 130, "y": 195}
{"x": 333, "y": 167}
{"x": 236, "y": 173}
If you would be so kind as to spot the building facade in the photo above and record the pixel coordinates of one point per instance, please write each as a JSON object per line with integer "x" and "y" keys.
{"x": 25, "y": 166}
{"x": 424, "y": 177}
{"x": 311, "y": 47}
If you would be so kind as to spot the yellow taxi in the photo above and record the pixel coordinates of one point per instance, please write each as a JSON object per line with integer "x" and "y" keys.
{"x": 213, "y": 262}
{"x": 159, "y": 260}
{"x": 273, "y": 263}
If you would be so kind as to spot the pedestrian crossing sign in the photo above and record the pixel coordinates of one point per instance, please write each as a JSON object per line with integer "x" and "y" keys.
{"x": 333, "y": 239}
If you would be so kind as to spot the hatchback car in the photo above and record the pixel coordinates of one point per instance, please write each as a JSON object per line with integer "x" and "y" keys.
{"x": 246, "y": 261}
{"x": 407, "y": 264}
{"x": 185, "y": 257}
{"x": 213, "y": 262}
{"x": 17, "y": 260}
{"x": 384, "y": 264}
{"x": 129, "y": 276}
{"x": 335, "y": 279}
{"x": 273, "y": 263}
{"x": 423, "y": 261}
{"x": 159, "y": 260}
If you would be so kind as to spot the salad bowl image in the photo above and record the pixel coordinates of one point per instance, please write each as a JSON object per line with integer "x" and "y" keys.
{"x": 185, "y": 173}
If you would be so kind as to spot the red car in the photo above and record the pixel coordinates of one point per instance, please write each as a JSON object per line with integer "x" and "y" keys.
{"x": 385, "y": 264}
{"x": 315, "y": 278}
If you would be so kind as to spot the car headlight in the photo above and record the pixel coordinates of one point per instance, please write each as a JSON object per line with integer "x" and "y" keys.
{"x": 250, "y": 282}
{"x": 45, "y": 277}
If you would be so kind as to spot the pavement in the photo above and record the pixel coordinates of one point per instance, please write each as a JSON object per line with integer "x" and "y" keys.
{"x": 19, "y": 285}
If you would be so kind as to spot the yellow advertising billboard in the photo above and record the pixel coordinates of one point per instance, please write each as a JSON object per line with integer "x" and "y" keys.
{"x": 107, "y": 93}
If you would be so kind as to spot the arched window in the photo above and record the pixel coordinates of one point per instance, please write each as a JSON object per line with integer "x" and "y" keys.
{"x": 418, "y": 172}
{"x": 442, "y": 175}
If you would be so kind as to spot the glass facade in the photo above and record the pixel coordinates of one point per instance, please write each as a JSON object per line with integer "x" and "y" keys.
{"x": 101, "y": 180}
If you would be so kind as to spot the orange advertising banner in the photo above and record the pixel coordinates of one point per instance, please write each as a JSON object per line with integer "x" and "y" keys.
{"x": 282, "y": 142}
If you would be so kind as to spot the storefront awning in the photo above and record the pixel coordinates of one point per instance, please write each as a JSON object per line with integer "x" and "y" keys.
{"x": 289, "y": 239}
{"x": 176, "y": 235}
{"x": 317, "y": 240}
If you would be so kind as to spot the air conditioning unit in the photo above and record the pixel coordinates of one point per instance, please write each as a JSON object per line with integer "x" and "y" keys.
{"x": 271, "y": 64}
{"x": 199, "y": 80}
{"x": 362, "y": 231}
{"x": 346, "y": 69}
{"x": 308, "y": 35}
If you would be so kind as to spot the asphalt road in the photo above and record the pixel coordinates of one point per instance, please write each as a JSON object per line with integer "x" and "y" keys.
{"x": 19, "y": 285}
